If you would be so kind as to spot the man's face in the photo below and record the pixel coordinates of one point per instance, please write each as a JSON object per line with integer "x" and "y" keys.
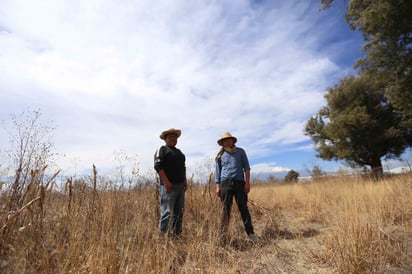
{"x": 171, "y": 139}
{"x": 228, "y": 142}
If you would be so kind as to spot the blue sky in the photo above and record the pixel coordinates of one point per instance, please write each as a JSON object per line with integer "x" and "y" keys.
{"x": 112, "y": 75}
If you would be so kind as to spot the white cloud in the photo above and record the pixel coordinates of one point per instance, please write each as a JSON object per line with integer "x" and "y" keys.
{"x": 114, "y": 75}
{"x": 268, "y": 168}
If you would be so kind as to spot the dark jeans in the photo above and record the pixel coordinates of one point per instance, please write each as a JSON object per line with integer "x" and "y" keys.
{"x": 230, "y": 189}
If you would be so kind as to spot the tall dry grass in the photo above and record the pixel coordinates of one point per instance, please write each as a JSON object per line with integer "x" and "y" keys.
{"x": 92, "y": 226}
{"x": 364, "y": 226}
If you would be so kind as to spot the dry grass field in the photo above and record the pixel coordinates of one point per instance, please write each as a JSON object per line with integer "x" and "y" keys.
{"x": 336, "y": 225}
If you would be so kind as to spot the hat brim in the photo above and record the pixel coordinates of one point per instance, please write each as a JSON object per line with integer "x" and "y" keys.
{"x": 220, "y": 141}
{"x": 178, "y": 132}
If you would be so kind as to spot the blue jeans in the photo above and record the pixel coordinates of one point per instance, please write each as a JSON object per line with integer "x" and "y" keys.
{"x": 235, "y": 189}
{"x": 171, "y": 209}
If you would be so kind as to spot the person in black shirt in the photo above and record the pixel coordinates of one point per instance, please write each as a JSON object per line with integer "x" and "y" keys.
{"x": 169, "y": 163}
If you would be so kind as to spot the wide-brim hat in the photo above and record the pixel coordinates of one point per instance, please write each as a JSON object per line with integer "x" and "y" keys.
{"x": 226, "y": 135}
{"x": 163, "y": 135}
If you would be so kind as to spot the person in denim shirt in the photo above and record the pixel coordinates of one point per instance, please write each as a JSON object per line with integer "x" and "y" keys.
{"x": 232, "y": 179}
{"x": 169, "y": 163}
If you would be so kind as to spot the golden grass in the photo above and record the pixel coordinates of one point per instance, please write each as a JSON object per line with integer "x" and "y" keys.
{"x": 339, "y": 225}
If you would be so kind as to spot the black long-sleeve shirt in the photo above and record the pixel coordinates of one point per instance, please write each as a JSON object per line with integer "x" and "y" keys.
{"x": 172, "y": 161}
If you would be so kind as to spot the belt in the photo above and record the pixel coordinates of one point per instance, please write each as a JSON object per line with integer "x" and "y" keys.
{"x": 233, "y": 181}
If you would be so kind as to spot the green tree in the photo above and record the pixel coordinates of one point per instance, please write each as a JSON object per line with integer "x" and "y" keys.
{"x": 357, "y": 126}
{"x": 386, "y": 26}
{"x": 292, "y": 176}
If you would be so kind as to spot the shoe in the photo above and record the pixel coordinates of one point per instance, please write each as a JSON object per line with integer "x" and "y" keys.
{"x": 253, "y": 238}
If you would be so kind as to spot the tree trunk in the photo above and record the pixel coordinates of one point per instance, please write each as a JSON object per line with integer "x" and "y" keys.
{"x": 377, "y": 170}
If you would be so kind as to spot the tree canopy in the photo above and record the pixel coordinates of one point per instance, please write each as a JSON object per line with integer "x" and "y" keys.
{"x": 386, "y": 26}
{"x": 357, "y": 126}
{"x": 292, "y": 176}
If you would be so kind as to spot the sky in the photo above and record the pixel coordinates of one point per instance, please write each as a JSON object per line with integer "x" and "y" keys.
{"x": 112, "y": 75}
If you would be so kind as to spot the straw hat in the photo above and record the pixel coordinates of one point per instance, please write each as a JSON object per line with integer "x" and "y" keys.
{"x": 178, "y": 132}
{"x": 226, "y": 135}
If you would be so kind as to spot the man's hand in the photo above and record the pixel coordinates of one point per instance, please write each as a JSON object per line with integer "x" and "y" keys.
{"x": 218, "y": 192}
{"x": 165, "y": 180}
{"x": 168, "y": 186}
{"x": 247, "y": 188}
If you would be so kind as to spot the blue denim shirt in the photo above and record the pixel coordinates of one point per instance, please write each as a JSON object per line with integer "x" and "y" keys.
{"x": 232, "y": 166}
